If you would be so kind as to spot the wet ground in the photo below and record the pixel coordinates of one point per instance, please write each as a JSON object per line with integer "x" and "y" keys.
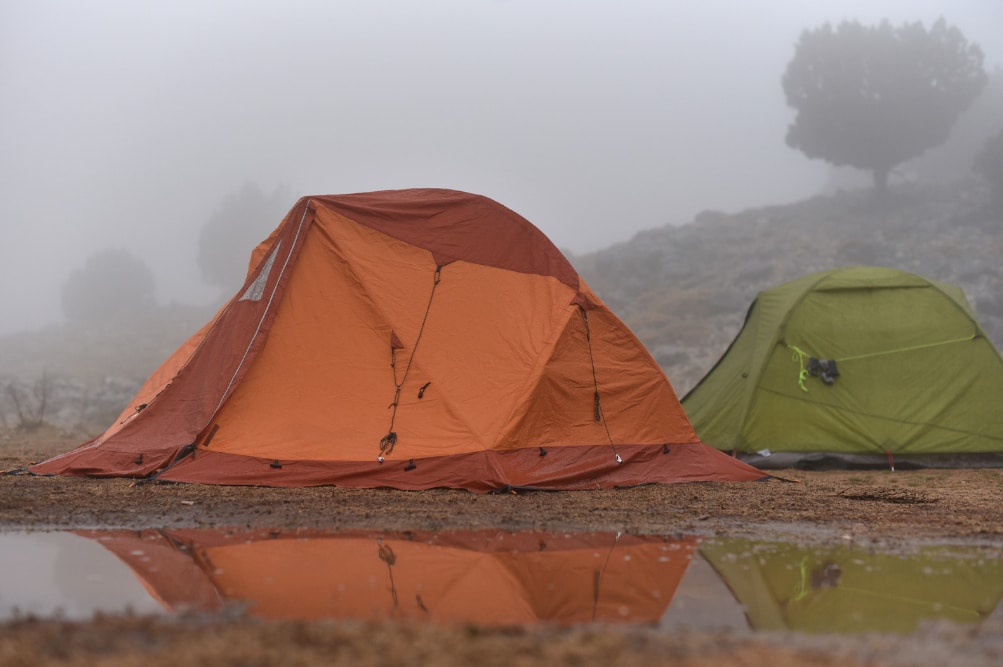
{"x": 893, "y": 515}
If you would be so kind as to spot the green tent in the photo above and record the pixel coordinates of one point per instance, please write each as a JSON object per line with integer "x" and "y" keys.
{"x": 856, "y": 362}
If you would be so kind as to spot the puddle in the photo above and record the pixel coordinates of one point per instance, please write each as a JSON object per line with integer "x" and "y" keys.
{"x": 847, "y": 589}
{"x": 497, "y": 578}
{"x": 67, "y": 575}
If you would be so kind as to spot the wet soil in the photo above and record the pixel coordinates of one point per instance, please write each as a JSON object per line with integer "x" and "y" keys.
{"x": 881, "y": 508}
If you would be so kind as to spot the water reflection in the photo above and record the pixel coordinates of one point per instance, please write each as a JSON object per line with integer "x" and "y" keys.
{"x": 66, "y": 575}
{"x": 503, "y": 578}
{"x": 850, "y": 590}
{"x": 485, "y": 577}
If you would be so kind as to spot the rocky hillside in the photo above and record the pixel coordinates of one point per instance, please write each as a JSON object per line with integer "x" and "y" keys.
{"x": 684, "y": 290}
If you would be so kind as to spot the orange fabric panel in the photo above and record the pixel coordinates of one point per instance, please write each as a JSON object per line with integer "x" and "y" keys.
{"x": 488, "y": 337}
{"x": 637, "y": 399}
{"x": 329, "y": 346}
{"x": 321, "y": 387}
{"x": 637, "y": 402}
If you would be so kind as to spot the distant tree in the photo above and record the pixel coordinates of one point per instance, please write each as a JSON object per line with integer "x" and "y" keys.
{"x": 874, "y": 97}
{"x": 231, "y": 233}
{"x": 110, "y": 285}
{"x": 989, "y": 165}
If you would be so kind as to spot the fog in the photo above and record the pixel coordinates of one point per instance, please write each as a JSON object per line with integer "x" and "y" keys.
{"x": 126, "y": 124}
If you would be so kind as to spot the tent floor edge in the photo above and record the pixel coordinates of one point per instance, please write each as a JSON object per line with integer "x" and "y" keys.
{"x": 575, "y": 467}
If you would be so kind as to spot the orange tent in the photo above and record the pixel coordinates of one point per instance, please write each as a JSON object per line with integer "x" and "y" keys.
{"x": 486, "y": 577}
{"x": 409, "y": 339}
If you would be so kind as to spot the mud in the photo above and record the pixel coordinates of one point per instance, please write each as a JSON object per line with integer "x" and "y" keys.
{"x": 891, "y": 510}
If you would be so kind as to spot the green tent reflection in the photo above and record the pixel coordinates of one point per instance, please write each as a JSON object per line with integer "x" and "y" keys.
{"x": 848, "y": 589}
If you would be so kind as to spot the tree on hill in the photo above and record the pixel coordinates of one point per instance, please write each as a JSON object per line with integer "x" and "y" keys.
{"x": 874, "y": 97}
{"x": 234, "y": 229}
{"x": 111, "y": 284}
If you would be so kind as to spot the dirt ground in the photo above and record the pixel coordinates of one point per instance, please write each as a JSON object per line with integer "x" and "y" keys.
{"x": 885, "y": 509}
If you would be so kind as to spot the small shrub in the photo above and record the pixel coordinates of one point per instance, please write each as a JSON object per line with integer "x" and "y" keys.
{"x": 30, "y": 404}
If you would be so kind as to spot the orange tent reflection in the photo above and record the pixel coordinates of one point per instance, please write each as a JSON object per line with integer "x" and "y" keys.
{"x": 485, "y": 577}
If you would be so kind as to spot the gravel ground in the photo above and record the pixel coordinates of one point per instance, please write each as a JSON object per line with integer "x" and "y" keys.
{"x": 882, "y": 509}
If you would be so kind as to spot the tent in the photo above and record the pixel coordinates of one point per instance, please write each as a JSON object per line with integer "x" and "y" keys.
{"x": 865, "y": 363}
{"x": 849, "y": 589}
{"x": 486, "y": 577}
{"x": 409, "y": 339}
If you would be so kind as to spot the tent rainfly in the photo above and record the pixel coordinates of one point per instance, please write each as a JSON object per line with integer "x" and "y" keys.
{"x": 410, "y": 339}
{"x": 861, "y": 363}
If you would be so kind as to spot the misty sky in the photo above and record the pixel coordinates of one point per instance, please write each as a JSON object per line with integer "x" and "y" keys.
{"x": 126, "y": 123}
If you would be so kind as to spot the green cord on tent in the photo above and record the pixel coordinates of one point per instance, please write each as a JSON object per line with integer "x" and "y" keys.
{"x": 908, "y": 349}
{"x": 798, "y": 356}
